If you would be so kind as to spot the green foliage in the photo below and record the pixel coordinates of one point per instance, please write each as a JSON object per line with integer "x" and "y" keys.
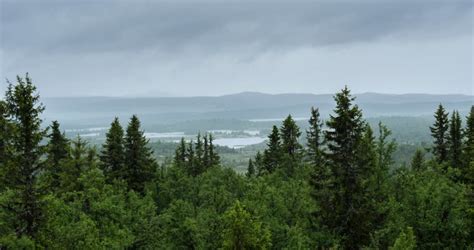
{"x": 23, "y": 109}
{"x": 112, "y": 156}
{"x": 140, "y": 166}
{"x": 439, "y": 132}
{"x": 405, "y": 241}
{"x": 348, "y": 193}
{"x": 314, "y": 137}
{"x": 455, "y": 140}
{"x": 244, "y": 232}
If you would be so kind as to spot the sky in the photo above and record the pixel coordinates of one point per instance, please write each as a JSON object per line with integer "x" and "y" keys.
{"x": 189, "y": 48}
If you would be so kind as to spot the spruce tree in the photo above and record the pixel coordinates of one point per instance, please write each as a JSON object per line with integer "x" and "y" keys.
{"x": 139, "y": 162}
{"x": 272, "y": 155}
{"x": 112, "y": 155}
{"x": 439, "y": 133}
{"x": 314, "y": 138}
{"x": 23, "y": 109}
{"x": 57, "y": 151}
{"x": 455, "y": 140}
{"x": 344, "y": 136}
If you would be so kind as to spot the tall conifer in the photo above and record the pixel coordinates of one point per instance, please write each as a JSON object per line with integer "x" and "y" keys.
{"x": 439, "y": 132}
{"x": 140, "y": 165}
{"x": 112, "y": 156}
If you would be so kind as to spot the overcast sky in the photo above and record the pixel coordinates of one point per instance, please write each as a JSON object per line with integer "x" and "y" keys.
{"x": 151, "y": 48}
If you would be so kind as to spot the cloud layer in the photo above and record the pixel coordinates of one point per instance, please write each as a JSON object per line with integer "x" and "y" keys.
{"x": 210, "y": 48}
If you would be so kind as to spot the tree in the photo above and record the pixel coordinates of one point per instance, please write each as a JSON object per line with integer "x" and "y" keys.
{"x": 112, "y": 156}
{"x": 272, "y": 155}
{"x": 57, "y": 151}
{"x": 314, "y": 137}
{"x": 242, "y": 231}
{"x": 344, "y": 139}
{"x": 180, "y": 154}
{"x": 439, "y": 133}
{"x": 417, "y": 163}
{"x": 214, "y": 158}
{"x": 469, "y": 135}
{"x": 250, "y": 169}
{"x": 289, "y": 134}
{"x": 140, "y": 165}
{"x": 24, "y": 110}
{"x": 405, "y": 241}
{"x": 455, "y": 140}
{"x": 6, "y": 130}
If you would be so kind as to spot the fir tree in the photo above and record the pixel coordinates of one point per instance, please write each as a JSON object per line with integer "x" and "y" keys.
{"x": 24, "y": 109}
{"x": 439, "y": 133}
{"x": 272, "y": 155}
{"x": 57, "y": 150}
{"x": 112, "y": 156}
{"x": 455, "y": 140}
{"x": 139, "y": 162}
{"x": 314, "y": 138}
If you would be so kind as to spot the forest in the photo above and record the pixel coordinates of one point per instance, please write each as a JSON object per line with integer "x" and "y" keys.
{"x": 340, "y": 189}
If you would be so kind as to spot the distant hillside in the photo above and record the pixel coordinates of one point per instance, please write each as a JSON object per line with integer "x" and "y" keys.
{"x": 246, "y": 105}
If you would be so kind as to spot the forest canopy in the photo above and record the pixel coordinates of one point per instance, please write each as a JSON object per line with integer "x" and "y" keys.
{"x": 341, "y": 189}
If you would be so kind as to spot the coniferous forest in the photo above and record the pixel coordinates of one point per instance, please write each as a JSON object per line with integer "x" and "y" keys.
{"x": 338, "y": 190}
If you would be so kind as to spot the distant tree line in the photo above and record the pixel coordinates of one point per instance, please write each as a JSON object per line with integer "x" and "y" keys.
{"x": 339, "y": 190}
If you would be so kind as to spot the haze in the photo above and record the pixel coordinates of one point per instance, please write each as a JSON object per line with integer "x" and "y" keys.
{"x": 189, "y": 48}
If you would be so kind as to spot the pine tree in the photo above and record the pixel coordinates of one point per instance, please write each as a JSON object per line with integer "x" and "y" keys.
{"x": 439, "y": 133}
{"x": 344, "y": 136}
{"x": 23, "y": 110}
{"x": 417, "y": 163}
{"x": 455, "y": 140}
{"x": 57, "y": 150}
{"x": 250, "y": 169}
{"x": 112, "y": 156}
{"x": 139, "y": 162}
{"x": 314, "y": 138}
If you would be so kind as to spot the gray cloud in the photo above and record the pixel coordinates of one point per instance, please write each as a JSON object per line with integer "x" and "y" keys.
{"x": 168, "y": 37}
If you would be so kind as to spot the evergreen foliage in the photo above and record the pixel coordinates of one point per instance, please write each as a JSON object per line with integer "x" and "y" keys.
{"x": 439, "y": 132}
